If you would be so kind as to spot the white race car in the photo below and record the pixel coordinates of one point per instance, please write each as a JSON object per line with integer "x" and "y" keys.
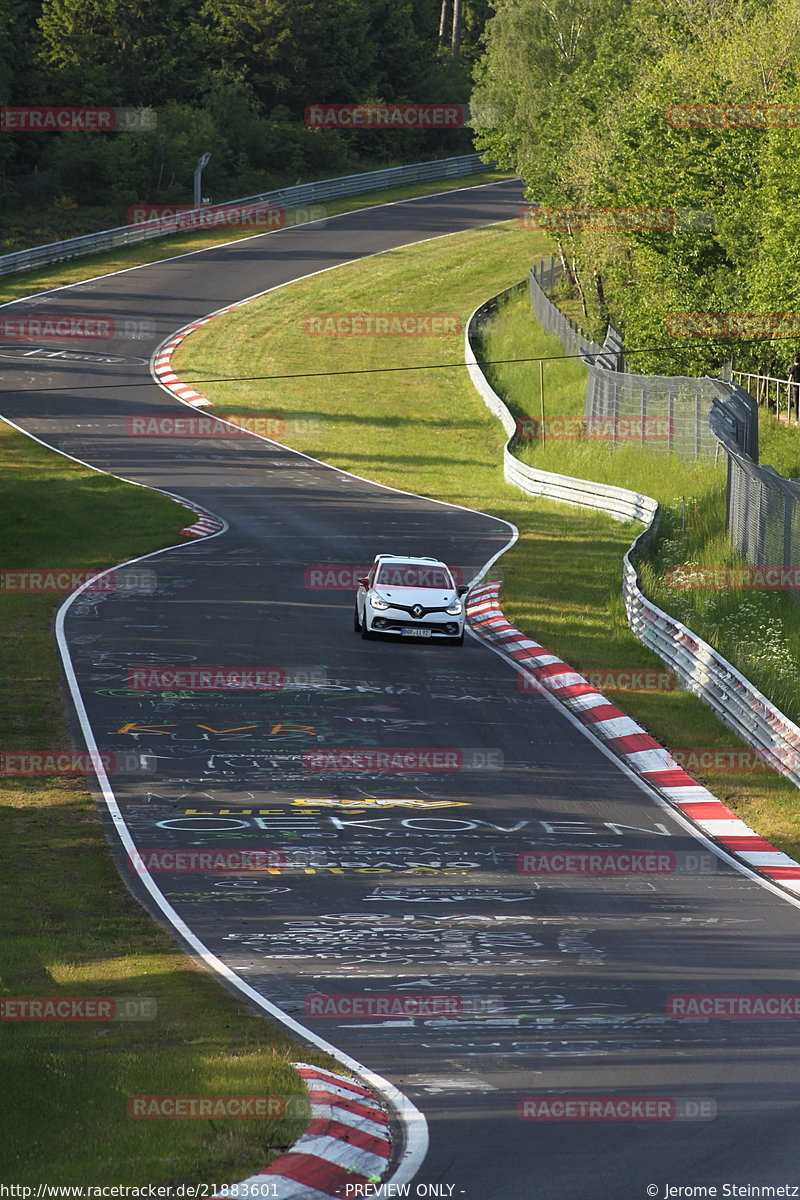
{"x": 410, "y": 597}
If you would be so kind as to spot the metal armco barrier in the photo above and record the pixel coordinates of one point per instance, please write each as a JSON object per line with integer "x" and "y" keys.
{"x": 699, "y": 668}
{"x": 291, "y": 197}
{"x": 620, "y": 503}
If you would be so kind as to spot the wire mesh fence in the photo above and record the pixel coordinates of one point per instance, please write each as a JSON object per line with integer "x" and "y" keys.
{"x": 665, "y": 413}
{"x": 763, "y": 508}
{"x": 695, "y": 418}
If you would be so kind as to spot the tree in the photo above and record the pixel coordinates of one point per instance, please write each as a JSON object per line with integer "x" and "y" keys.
{"x": 120, "y": 52}
{"x": 585, "y": 95}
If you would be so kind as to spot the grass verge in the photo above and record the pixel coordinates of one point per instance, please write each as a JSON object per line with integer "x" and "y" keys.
{"x": 759, "y": 631}
{"x": 428, "y": 432}
{"x": 70, "y": 927}
{"x": 26, "y": 283}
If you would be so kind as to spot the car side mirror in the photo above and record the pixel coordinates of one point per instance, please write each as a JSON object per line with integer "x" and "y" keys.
{"x": 363, "y": 582}
{"x": 462, "y": 591}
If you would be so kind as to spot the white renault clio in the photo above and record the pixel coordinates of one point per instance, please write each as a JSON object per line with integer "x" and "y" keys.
{"x": 410, "y": 597}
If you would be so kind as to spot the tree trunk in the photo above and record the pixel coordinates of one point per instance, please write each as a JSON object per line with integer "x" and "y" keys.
{"x": 601, "y": 297}
{"x": 442, "y": 22}
{"x": 573, "y": 270}
{"x": 457, "y": 19}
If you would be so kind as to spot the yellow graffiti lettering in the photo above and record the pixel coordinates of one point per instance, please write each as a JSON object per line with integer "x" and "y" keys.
{"x": 380, "y": 802}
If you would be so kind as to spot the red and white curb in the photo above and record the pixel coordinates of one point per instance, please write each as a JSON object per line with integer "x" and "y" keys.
{"x": 641, "y": 752}
{"x": 162, "y": 369}
{"x": 162, "y": 363}
{"x": 346, "y": 1143}
{"x": 205, "y": 524}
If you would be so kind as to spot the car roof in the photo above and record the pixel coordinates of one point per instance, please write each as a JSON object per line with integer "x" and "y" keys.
{"x": 402, "y": 558}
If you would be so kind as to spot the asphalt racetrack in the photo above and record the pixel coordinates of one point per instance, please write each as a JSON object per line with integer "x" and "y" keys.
{"x": 387, "y": 885}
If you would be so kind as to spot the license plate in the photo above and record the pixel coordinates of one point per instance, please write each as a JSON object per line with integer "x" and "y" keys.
{"x": 416, "y": 632}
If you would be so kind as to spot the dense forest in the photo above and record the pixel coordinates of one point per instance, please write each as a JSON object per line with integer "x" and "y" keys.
{"x": 590, "y": 91}
{"x": 583, "y": 96}
{"x": 229, "y": 77}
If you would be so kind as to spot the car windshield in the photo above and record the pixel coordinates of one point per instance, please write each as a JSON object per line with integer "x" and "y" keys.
{"x": 413, "y": 575}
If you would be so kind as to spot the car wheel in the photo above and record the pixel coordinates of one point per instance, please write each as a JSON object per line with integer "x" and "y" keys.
{"x": 356, "y": 622}
{"x": 365, "y": 633}
{"x": 457, "y": 641}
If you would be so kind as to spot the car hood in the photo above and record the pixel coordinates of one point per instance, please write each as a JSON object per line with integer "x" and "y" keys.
{"x": 427, "y": 597}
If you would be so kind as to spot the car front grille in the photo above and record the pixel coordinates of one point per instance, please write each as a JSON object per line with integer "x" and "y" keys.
{"x": 390, "y": 624}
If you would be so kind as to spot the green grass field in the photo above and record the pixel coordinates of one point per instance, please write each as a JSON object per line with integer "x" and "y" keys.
{"x": 70, "y": 927}
{"x": 426, "y": 430}
{"x": 759, "y": 631}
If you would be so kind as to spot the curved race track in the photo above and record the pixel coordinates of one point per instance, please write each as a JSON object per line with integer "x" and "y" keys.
{"x": 407, "y": 884}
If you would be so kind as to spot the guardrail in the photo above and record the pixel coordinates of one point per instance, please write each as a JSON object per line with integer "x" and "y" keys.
{"x": 698, "y": 666}
{"x": 620, "y": 503}
{"x": 296, "y": 196}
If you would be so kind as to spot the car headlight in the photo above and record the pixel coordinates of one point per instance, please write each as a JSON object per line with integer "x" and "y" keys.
{"x": 376, "y": 602}
{"x": 455, "y": 608}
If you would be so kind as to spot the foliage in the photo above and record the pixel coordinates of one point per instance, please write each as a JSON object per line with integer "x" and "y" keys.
{"x": 585, "y": 91}
{"x": 232, "y": 77}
